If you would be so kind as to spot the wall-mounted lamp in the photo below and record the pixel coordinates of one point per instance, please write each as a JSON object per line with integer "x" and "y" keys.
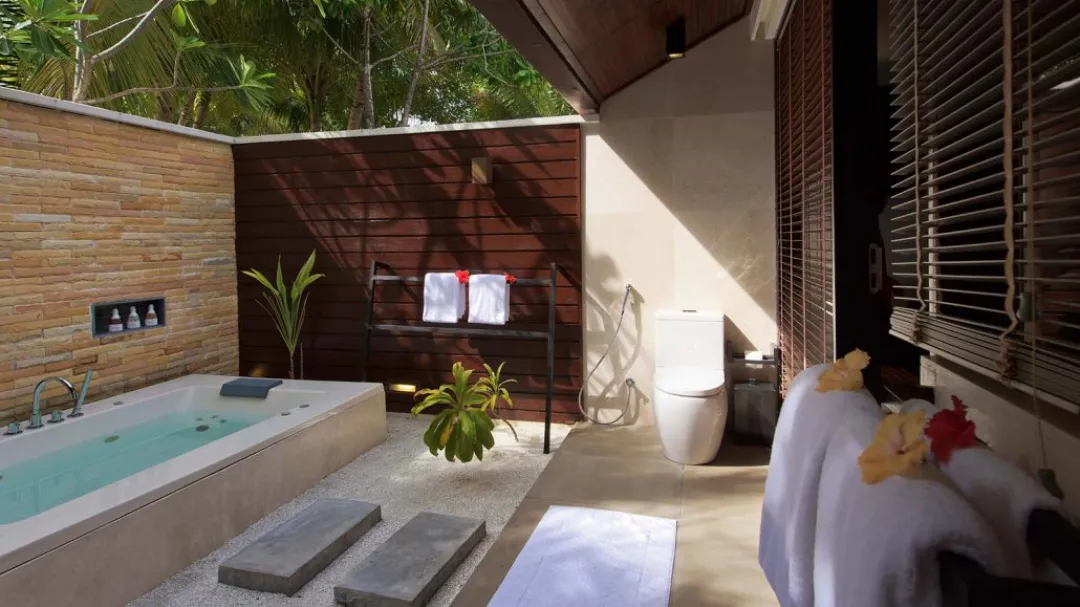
{"x": 676, "y": 39}
{"x": 481, "y": 170}
{"x": 403, "y": 388}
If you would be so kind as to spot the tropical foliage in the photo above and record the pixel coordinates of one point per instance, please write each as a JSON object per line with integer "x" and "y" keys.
{"x": 463, "y": 429}
{"x": 263, "y": 66}
{"x": 287, "y": 305}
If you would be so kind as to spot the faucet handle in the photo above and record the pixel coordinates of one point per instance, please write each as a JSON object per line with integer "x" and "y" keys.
{"x": 57, "y": 417}
{"x": 76, "y": 411}
{"x": 13, "y": 428}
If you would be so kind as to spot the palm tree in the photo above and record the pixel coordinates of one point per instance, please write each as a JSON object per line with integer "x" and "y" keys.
{"x": 10, "y": 14}
{"x": 135, "y": 56}
{"x": 341, "y": 64}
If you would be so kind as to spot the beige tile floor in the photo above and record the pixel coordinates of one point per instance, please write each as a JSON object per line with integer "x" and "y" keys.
{"x": 718, "y": 508}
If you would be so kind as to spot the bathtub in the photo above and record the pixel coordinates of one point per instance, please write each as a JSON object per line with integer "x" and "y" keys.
{"x": 98, "y": 510}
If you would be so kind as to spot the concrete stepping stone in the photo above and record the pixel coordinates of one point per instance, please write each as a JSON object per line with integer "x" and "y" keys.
{"x": 291, "y": 555}
{"x": 410, "y": 566}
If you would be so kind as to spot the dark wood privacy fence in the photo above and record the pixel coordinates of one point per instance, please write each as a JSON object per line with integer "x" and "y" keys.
{"x": 408, "y": 200}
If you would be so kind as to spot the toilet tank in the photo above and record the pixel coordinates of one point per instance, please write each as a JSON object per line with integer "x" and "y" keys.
{"x": 690, "y": 338}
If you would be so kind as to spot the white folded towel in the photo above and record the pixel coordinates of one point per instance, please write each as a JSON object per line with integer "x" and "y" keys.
{"x": 877, "y": 545}
{"x": 807, "y": 420}
{"x": 1005, "y": 496}
{"x": 444, "y": 297}
{"x": 489, "y": 299}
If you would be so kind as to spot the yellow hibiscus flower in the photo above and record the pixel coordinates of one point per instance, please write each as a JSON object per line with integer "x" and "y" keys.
{"x": 898, "y": 447}
{"x": 845, "y": 374}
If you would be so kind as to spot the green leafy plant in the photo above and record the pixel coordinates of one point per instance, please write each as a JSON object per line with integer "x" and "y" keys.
{"x": 44, "y": 27}
{"x": 464, "y": 428}
{"x": 287, "y": 306}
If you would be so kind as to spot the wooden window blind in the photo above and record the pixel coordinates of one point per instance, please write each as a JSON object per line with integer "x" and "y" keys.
{"x": 804, "y": 186}
{"x": 986, "y": 201}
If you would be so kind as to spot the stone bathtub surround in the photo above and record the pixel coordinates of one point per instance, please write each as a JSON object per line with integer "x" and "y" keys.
{"x": 108, "y": 547}
{"x": 92, "y": 210}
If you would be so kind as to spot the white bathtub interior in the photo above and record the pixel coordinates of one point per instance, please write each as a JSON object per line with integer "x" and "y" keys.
{"x": 287, "y": 409}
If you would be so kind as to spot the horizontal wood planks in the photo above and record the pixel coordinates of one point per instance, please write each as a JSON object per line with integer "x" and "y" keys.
{"x": 407, "y": 200}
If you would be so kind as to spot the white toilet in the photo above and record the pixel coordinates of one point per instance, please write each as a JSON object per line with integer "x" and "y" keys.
{"x": 688, "y": 397}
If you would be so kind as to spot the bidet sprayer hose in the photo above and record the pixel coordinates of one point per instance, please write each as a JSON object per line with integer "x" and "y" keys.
{"x": 628, "y": 381}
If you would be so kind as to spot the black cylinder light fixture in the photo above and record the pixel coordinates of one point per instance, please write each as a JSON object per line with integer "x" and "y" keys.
{"x": 676, "y": 39}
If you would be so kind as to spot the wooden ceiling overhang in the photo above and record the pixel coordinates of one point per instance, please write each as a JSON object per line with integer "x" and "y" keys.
{"x": 590, "y": 50}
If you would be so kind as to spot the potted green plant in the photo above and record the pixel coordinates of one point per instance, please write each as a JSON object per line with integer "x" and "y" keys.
{"x": 288, "y": 305}
{"x": 464, "y": 428}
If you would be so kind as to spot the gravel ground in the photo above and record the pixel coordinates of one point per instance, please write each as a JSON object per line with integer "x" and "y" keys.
{"x": 401, "y": 476}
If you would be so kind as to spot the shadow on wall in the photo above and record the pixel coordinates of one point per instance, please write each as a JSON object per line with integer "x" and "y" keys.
{"x": 608, "y": 394}
{"x": 408, "y": 200}
{"x": 680, "y": 201}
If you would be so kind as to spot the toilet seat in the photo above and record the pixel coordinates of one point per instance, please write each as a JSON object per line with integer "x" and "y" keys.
{"x": 689, "y": 381}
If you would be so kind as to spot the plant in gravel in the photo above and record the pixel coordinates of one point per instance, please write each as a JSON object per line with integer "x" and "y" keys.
{"x": 287, "y": 305}
{"x": 463, "y": 429}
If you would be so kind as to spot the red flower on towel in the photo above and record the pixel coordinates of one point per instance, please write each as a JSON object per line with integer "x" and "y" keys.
{"x": 949, "y": 430}
{"x": 462, "y": 276}
{"x": 510, "y": 278}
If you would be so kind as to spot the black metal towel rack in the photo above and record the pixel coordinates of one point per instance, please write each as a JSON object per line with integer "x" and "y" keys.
{"x": 375, "y": 279}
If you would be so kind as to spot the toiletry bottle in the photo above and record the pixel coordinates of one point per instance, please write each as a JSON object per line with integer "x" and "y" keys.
{"x": 150, "y": 320}
{"x": 133, "y": 319}
{"x": 115, "y": 324}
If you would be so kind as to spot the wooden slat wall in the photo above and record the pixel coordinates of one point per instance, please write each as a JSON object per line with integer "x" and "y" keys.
{"x": 407, "y": 200}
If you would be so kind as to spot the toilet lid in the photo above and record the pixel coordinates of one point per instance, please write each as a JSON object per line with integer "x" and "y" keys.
{"x": 690, "y": 381}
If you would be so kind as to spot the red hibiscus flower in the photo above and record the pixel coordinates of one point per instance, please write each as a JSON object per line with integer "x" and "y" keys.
{"x": 462, "y": 276}
{"x": 949, "y": 430}
{"x": 510, "y": 278}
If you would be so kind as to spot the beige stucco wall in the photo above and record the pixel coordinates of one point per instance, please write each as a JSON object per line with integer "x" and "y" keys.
{"x": 679, "y": 201}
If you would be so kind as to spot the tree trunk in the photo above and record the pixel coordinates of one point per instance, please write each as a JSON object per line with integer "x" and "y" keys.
{"x": 165, "y": 109}
{"x": 369, "y": 103}
{"x": 365, "y": 74}
{"x": 356, "y": 111}
{"x": 202, "y": 111}
{"x": 313, "y": 84}
{"x": 185, "y": 112}
{"x": 80, "y": 86}
{"x": 418, "y": 67}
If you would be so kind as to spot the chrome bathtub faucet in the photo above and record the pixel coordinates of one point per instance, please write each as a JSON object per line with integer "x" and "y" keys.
{"x": 76, "y": 411}
{"x": 35, "y": 414}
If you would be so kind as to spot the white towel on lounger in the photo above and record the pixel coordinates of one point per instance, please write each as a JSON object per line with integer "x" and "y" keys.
{"x": 807, "y": 420}
{"x": 877, "y": 545}
{"x": 1004, "y": 494}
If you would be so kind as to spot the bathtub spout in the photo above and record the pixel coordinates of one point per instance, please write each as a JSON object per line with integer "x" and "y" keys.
{"x": 35, "y": 415}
